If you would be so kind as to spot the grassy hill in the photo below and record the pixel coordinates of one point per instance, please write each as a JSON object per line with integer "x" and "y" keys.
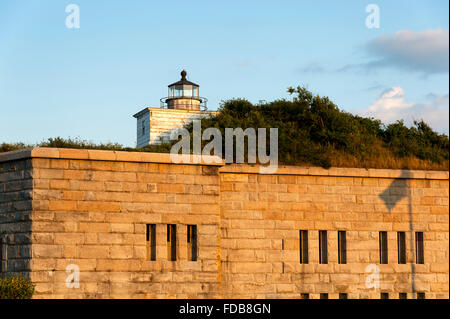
{"x": 314, "y": 132}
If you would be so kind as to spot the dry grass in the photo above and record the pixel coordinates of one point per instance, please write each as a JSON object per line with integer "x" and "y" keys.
{"x": 387, "y": 160}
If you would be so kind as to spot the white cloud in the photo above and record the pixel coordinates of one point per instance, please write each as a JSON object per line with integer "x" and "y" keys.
{"x": 312, "y": 67}
{"x": 426, "y": 52}
{"x": 243, "y": 64}
{"x": 391, "y": 106}
{"x": 390, "y": 100}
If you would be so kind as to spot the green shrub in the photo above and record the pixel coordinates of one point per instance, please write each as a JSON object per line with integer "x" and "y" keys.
{"x": 312, "y": 130}
{"x": 77, "y": 143}
{"x": 16, "y": 287}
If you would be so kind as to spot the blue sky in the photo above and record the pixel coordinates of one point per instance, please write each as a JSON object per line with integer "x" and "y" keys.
{"x": 88, "y": 82}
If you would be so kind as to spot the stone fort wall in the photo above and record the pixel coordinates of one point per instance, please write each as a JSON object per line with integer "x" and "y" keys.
{"x": 90, "y": 208}
{"x": 261, "y": 216}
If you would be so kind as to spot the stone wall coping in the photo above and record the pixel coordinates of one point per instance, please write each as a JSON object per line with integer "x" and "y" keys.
{"x": 102, "y": 155}
{"x": 339, "y": 172}
{"x": 146, "y": 157}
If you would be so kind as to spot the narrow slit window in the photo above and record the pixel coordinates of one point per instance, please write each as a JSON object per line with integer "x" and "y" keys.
{"x": 420, "y": 295}
{"x": 172, "y": 242}
{"x": 401, "y": 243}
{"x": 323, "y": 296}
{"x": 343, "y": 295}
{"x": 303, "y": 246}
{"x": 419, "y": 248}
{"x": 305, "y": 296}
{"x": 143, "y": 127}
{"x": 192, "y": 242}
{"x": 342, "y": 247}
{"x": 1, "y": 255}
{"x": 323, "y": 247}
{"x": 151, "y": 241}
{"x": 384, "y": 295}
{"x": 403, "y": 295}
{"x": 383, "y": 243}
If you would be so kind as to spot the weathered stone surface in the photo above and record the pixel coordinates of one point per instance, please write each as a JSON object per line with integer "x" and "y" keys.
{"x": 90, "y": 208}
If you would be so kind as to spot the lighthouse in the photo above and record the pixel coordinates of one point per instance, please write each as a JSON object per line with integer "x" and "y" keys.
{"x": 182, "y": 105}
{"x": 184, "y": 95}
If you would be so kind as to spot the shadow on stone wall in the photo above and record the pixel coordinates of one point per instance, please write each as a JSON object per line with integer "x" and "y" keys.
{"x": 16, "y": 186}
{"x": 397, "y": 190}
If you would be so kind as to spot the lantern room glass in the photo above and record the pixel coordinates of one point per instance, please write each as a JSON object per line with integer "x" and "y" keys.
{"x": 185, "y": 90}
